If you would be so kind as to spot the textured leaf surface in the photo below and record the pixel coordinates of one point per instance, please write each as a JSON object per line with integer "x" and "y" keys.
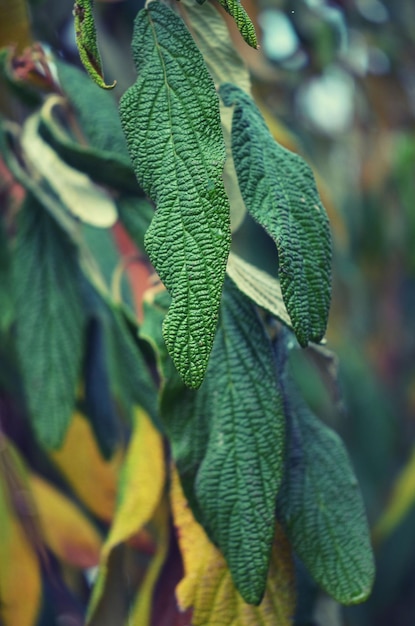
{"x": 321, "y": 507}
{"x": 228, "y": 442}
{"x": 86, "y": 40}
{"x": 242, "y": 19}
{"x": 279, "y": 191}
{"x": 140, "y": 491}
{"x": 49, "y": 320}
{"x": 212, "y": 36}
{"x": 207, "y": 585}
{"x": 172, "y": 124}
{"x": 93, "y": 479}
{"x": 259, "y": 286}
{"x": 67, "y": 531}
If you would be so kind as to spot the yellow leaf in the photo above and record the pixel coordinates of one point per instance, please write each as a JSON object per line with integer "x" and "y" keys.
{"x": 402, "y": 499}
{"x": 207, "y": 585}
{"x": 20, "y": 582}
{"x": 67, "y": 532}
{"x": 141, "y": 487}
{"x": 93, "y": 479}
{"x": 141, "y": 612}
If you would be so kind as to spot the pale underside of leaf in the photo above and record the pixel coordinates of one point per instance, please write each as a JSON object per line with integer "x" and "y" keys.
{"x": 172, "y": 124}
{"x": 259, "y": 286}
{"x": 76, "y": 191}
{"x": 279, "y": 191}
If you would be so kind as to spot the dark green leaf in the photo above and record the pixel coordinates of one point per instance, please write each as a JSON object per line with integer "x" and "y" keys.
{"x": 321, "y": 506}
{"x": 50, "y": 320}
{"x": 172, "y": 124}
{"x": 228, "y": 440}
{"x": 279, "y": 191}
{"x": 135, "y": 214}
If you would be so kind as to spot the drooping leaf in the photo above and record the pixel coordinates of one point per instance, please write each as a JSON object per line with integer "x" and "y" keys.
{"x": 401, "y": 501}
{"x": 91, "y": 140}
{"x": 242, "y": 19}
{"x": 50, "y": 320}
{"x": 171, "y": 120}
{"x": 140, "y": 490}
{"x": 259, "y": 286}
{"x": 67, "y": 531}
{"x": 207, "y": 585}
{"x": 279, "y": 191}
{"x": 93, "y": 479}
{"x": 320, "y": 504}
{"x": 212, "y": 36}
{"x": 228, "y": 442}
{"x": 80, "y": 196}
{"x": 86, "y": 40}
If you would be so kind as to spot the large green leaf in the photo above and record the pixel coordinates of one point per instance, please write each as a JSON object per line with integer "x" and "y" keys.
{"x": 228, "y": 443}
{"x": 50, "y": 320}
{"x": 279, "y": 191}
{"x": 171, "y": 120}
{"x": 321, "y": 506}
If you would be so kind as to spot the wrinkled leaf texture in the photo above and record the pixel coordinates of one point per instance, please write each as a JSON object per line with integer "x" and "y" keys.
{"x": 320, "y": 504}
{"x": 50, "y": 320}
{"x": 228, "y": 443}
{"x": 280, "y": 193}
{"x": 171, "y": 121}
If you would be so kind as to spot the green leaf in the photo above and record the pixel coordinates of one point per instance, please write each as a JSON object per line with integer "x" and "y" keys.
{"x": 321, "y": 506}
{"x": 228, "y": 440}
{"x": 279, "y": 191}
{"x": 242, "y": 19}
{"x": 211, "y": 34}
{"x": 86, "y": 40}
{"x": 171, "y": 120}
{"x": 6, "y": 292}
{"x": 50, "y": 320}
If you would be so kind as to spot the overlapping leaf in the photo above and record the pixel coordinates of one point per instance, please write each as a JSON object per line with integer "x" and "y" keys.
{"x": 320, "y": 504}
{"x": 211, "y": 34}
{"x": 50, "y": 320}
{"x": 228, "y": 442}
{"x": 140, "y": 491}
{"x": 207, "y": 586}
{"x": 171, "y": 120}
{"x": 279, "y": 191}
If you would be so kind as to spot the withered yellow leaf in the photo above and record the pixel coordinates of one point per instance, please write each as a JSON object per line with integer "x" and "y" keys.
{"x": 93, "y": 479}
{"x": 141, "y": 485}
{"x": 67, "y": 531}
{"x": 207, "y": 585}
{"x": 20, "y": 582}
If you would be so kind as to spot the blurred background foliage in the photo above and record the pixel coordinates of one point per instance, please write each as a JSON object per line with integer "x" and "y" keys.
{"x": 336, "y": 82}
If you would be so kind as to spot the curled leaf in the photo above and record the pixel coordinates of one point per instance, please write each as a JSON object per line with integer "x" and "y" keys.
{"x": 86, "y": 40}
{"x": 242, "y": 19}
